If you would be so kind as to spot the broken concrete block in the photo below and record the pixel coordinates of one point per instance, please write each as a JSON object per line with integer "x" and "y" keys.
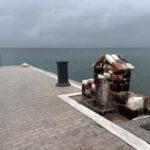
{"x": 129, "y": 66}
{"x": 110, "y": 59}
{"x": 135, "y": 103}
{"x": 107, "y": 75}
{"x": 114, "y": 56}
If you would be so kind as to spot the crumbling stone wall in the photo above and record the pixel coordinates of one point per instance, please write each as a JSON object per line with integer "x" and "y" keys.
{"x": 111, "y": 82}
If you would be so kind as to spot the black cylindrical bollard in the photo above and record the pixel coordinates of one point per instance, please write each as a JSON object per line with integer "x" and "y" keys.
{"x": 62, "y": 72}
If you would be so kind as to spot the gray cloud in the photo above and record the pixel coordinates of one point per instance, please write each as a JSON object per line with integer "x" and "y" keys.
{"x": 74, "y": 23}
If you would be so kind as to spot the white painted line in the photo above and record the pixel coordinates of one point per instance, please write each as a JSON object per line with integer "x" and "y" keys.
{"x": 44, "y": 72}
{"x": 54, "y": 76}
{"x": 121, "y": 133}
{"x": 75, "y": 85}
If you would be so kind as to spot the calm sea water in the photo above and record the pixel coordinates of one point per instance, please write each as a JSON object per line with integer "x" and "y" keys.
{"x": 80, "y": 60}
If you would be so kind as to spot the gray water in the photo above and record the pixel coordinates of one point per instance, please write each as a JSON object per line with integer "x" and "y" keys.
{"x": 80, "y": 60}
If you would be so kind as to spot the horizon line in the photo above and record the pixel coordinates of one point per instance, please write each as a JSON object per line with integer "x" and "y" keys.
{"x": 75, "y": 47}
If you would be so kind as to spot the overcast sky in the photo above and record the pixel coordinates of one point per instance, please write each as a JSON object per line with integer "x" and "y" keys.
{"x": 74, "y": 23}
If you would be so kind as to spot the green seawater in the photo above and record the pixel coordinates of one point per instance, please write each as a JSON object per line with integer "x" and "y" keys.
{"x": 80, "y": 60}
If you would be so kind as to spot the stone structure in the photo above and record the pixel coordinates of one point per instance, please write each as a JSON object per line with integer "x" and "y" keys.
{"x": 110, "y": 86}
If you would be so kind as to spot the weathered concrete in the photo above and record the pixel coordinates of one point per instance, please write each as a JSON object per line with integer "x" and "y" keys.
{"x": 136, "y": 127}
{"x": 120, "y": 132}
{"x": 33, "y": 118}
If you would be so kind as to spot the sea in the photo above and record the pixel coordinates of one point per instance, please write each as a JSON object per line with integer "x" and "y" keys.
{"x": 80, "y": 61}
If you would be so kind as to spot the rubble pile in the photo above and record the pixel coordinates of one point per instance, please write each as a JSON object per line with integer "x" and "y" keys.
{"x": 111, "y": 83}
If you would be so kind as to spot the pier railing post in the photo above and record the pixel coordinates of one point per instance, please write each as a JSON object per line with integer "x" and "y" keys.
{"x": 62, "y": 72}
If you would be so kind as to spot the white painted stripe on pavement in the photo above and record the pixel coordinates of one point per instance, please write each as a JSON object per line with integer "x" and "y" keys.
{"x": 54, "y": 76}
{"x": 121, "y": 133}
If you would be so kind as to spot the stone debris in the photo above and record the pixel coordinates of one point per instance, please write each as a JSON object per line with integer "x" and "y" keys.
{"x": 24, "y": 65}
{"x": 111, "y": 84}
{"x": 135, "y": 103}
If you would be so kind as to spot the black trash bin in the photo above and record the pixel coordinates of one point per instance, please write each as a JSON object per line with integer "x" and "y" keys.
{"x": 62, "y": 72}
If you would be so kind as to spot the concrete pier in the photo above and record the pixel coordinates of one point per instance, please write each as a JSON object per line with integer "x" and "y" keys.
{"x": 32, "y": 117}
